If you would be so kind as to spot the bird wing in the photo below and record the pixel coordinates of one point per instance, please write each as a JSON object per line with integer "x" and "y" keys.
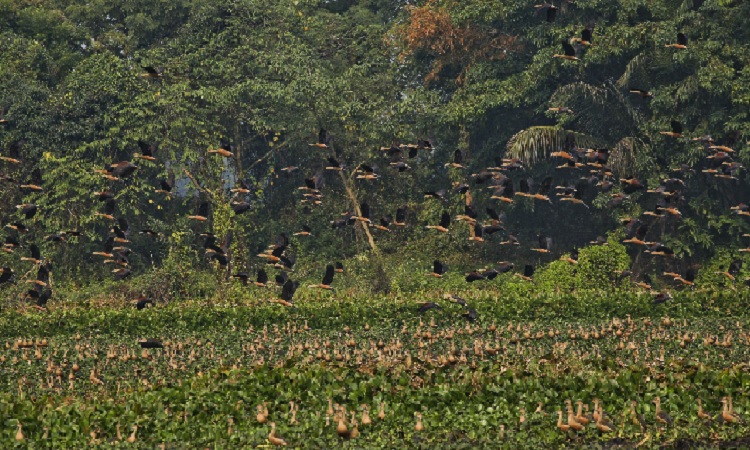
{"x": 328, "y": 277}
{"x": 445, "y": 219}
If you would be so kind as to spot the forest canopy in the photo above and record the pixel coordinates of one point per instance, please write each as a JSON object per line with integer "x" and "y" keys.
{"x": 655, "y": 92}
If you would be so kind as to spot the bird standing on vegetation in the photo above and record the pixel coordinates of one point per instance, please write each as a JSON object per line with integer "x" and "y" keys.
{"x": 274, "y": 438}
{"x": 661, "y": 416}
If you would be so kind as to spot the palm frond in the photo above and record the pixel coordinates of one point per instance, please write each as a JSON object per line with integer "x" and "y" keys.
{"x": 605, "y": 99}
{"x": 635, "y": 71}
{"x": 581, "y": 90}
{"x": 536, "y": 143}
{"x": 623, "y": 156}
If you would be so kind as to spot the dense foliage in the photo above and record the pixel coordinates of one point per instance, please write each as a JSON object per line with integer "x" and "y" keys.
{"x": 476, "y": 76}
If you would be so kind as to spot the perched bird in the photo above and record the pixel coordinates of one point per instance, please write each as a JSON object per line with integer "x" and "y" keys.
{"x": 701, "y": 413}
{"x": 419, "y": 426}
{"x": 638, "y": 419}
{"x": 603, "y": 424}
{"x": 274, "y": 438}
{"x": 661, "y": 416}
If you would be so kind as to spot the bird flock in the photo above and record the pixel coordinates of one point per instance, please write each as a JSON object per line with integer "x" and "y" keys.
{"x": 586, "y": 175}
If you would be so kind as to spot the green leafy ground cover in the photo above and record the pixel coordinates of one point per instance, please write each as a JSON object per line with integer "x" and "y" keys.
{"x": 84, "y": 376}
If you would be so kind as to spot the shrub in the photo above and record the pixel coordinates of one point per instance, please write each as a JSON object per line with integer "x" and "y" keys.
{"x": 598, "y": 265}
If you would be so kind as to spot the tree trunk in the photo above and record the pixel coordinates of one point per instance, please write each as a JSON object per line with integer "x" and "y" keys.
{"x": 381, "y": 281}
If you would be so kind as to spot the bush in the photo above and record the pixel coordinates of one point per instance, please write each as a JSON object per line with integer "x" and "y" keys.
{"x": 598, "y": 265}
